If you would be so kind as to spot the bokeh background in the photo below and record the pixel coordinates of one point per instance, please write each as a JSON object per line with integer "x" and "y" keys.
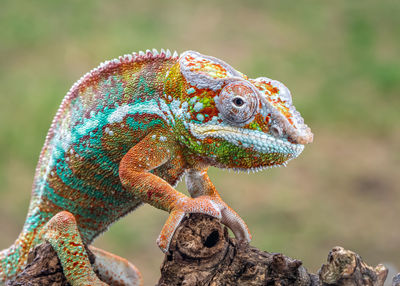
{"x": 341, "y": 60}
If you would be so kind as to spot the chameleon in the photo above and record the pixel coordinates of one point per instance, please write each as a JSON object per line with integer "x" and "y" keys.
{"x": 127, "y": 132}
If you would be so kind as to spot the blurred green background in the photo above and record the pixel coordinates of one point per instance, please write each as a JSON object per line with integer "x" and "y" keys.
{"x": 340, "y": 59}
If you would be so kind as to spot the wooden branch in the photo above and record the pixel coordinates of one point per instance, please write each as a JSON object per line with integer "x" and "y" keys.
{"x": 202, "y": 253}
{"x": 396, "y": 280}
{"x": 43, "y": 268}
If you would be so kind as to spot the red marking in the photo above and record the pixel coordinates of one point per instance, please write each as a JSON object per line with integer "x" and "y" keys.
{"x": 209, "y": 141}
{"x": 74, "y": 244}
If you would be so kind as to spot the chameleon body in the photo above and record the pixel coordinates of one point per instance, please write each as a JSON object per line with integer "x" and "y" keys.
{"x": 126, "y": 133}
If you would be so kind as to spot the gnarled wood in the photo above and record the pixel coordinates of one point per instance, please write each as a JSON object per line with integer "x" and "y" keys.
{"x": 202, "y": 253}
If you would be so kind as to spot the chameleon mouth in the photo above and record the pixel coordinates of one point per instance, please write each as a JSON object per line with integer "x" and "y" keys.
{"x": 256, "y": 140}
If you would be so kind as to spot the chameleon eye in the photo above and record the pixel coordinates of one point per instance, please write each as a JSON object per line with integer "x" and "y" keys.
{"x": 238, "y": 102}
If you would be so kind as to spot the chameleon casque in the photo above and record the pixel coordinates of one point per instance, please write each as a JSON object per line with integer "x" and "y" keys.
{"x": 126, "y": 133}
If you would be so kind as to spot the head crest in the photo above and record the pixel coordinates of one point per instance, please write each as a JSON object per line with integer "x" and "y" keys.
{"x": 205, "y": 71}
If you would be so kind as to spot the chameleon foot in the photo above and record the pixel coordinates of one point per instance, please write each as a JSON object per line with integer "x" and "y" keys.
{"x": 212, "y": 206}
{"x": 115, "y": 270}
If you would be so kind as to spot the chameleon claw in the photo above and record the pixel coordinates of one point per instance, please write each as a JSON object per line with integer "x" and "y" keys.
{"x": 239, "y": 228}
{"x": 168, "y": 230}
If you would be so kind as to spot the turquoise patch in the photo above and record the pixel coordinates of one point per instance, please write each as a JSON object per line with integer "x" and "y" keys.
{"x": 198, "y": 106}
{"x": 200, "y": 117}
{"x": 190, "y": 90}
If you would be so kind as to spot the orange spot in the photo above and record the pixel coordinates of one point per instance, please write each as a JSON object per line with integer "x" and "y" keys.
{"x": 209, "y": 141}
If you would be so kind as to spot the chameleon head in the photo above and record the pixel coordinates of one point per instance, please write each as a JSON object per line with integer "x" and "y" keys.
{"x": 238, "y": 122}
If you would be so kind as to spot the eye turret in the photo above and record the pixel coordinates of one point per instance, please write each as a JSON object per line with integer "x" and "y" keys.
{"x": 238, "y": 102}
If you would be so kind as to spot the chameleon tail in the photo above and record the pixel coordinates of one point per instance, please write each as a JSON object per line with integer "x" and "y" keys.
{"x": 13, "y": 259}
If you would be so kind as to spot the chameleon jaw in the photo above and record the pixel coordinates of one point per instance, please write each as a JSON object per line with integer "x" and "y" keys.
{"x": 259, "y": 141}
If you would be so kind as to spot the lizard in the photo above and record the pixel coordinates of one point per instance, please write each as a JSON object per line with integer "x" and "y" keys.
{"x": 127, "y": 132}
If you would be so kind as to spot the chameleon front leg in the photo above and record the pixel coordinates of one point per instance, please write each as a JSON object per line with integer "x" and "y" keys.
{"x": 134, "y": 171}
{"x": 61, "y": 231}
{"x": 199, "y": 184}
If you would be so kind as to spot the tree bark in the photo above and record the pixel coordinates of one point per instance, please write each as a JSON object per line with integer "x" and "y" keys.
{"x": 202, "y": 253}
